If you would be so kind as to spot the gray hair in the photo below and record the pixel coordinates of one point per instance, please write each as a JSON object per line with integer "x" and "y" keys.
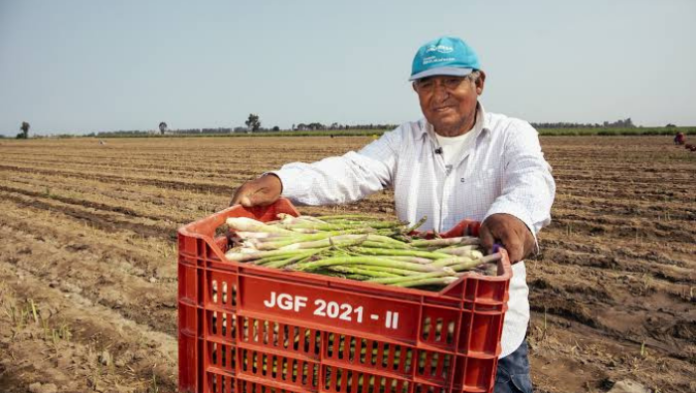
{"x": 474, "y": 75}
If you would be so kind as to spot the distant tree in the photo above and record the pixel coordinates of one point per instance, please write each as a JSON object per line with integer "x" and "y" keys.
{"x": 25, "y": 131}
{"x": 275, "y": 128}
{"x": 670, "y": 125}
{"x": 253, "y": 122}
{"x": 162, "y": 127}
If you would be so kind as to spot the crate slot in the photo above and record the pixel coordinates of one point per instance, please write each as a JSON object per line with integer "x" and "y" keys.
{"x": 423, "y": 388}
{"x": 217, "y": 383}
{"x": 281, "y": 336}
{"x": 439, "y": 326}
{"x": 369, "y": 353}
{"x": 278, "y": 368}
{"x": 434, "y": 366}
{"x": 339, "y": 380}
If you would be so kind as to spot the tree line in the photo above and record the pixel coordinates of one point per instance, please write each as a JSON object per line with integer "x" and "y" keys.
{"x": 253, "y": 124}
{"x": 625, "y": 123}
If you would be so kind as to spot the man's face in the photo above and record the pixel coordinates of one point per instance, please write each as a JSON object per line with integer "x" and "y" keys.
{"x": 449, "y": 102}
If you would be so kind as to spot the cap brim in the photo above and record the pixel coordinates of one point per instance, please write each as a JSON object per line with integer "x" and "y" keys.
{"x": 449, "y": 71}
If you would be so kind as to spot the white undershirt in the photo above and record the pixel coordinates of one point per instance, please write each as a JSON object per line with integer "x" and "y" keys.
{"x": 453, "y": 147}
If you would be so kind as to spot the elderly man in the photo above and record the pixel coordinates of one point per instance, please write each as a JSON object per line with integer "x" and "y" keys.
{"x": 458, "y": 162}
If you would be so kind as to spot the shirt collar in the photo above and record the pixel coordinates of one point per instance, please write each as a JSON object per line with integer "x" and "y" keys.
{"x": 480, "y": 126}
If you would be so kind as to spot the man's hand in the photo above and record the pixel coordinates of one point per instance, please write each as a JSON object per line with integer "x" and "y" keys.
{"x": 259, "y": 192}
{"x": 509, "y": 231}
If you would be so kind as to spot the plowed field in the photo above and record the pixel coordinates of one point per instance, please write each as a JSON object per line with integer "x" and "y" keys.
{"x": 88, "y": 274}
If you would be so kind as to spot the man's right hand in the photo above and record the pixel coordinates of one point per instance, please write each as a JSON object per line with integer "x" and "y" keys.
{"x": 259, "y": 192}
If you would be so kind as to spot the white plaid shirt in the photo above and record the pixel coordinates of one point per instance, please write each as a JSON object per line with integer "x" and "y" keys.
{"x": 502, "y": 170}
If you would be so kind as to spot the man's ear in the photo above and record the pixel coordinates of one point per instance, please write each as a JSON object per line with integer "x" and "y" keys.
{"x": 480, "y": 82}
{"x": 413, "y": 85}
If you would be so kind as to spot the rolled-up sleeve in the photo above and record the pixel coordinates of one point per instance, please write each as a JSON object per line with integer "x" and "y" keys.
{"x": 528, "y": 186}
{"x": 348, "y": 178}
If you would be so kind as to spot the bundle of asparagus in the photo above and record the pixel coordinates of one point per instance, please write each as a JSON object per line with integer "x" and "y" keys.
{"x": 357, "y": 247}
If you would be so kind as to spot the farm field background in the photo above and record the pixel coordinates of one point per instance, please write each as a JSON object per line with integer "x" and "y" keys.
{"x": 88, "y": 267}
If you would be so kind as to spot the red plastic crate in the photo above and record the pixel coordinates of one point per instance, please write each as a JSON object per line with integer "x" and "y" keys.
{"x": 249, "y": 329}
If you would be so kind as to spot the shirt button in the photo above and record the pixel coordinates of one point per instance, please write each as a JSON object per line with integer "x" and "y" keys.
{"x": 462, "y": 180}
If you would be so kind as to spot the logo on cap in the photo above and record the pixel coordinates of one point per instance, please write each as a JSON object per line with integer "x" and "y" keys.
{"x": 440, "y": 49}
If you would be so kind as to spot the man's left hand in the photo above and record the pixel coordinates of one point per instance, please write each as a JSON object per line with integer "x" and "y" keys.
{"x": 510, "y": 232}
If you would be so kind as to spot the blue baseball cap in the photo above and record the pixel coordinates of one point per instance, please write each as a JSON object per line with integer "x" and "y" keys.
{"x": 444, "y": 56}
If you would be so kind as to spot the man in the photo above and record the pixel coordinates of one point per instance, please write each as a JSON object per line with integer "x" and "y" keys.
{"x": 458, "y": 162}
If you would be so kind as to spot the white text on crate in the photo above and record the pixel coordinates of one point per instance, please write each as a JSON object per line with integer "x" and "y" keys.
{"x": 328, "y": 309}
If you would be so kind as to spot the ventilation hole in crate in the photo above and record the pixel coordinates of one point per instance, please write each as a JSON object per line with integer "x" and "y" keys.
{"x": 215, "y": 291}
{"x": 397, "y": 357}
{"x": 330, "y": 345}
{"x": 447, "y": 363}
{"x": 213, "y": 354}
{"x": 341, "y": 346}
{"x": 394, "y": 386}
{"x": 363, "y": 350}
{"x": 327, "y": 378}
{"x": 224, "y": 292}
{"x": 315, "y": 376}
{"x": 450, "y": 332}
{"x": 254, "y": 362}
{"x": 339, "y": 379}
{"x": 305, "y": 340}
{"x": 265, "y": 327}
{"x": 438, "y": 329}
{"x": 296, "y": 338}
{"x": 349, "y": 381}
{"x": 404, "y": 388}
{"x": 214, "y": 322}
{"x": 286, "y": 335}
{"x": 371, "y": 384}
{"x": 426, "y": 329}
{"x": 352, "y": 343}
{"x": 233, "y": 325}
{"x": 275, "y": 333}
{"x": 385, "y": 355}
{"x": 274, "y": 366}
{"x": 361, "y": 379}
{"x": 284, "y": 369}
{"x": 245, "y": 329}
{"x": 421, "y": 361}
{"x": 265, "y": 365}
{"x": 295, "y": 370}
{"x": 214, "y": 383}
{"x": 317, "y": 342}
{"x": 234, "y": 294}
{"x": 233, "y": 359}
{"x": 255, "y": 331}
{"x": 305, "y": 373}
{"x": 434, "y": 363}
{"x": 223, "y": 352}
{"x": 222, "y": 384}
{"x": 224, "y": 324}
{"x": 408, "y": 360}
{"x": 382, "y": 385}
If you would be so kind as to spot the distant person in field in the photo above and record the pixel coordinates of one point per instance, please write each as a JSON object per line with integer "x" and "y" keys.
{"x": 459, "y": 161}
{"x": 679, "y": 139}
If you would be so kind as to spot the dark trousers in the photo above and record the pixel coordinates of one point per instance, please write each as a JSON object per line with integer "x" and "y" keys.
{"x": 513, "y": 372}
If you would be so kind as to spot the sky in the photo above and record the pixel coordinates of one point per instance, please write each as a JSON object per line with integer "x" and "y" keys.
{"x": 76, "y": 67}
